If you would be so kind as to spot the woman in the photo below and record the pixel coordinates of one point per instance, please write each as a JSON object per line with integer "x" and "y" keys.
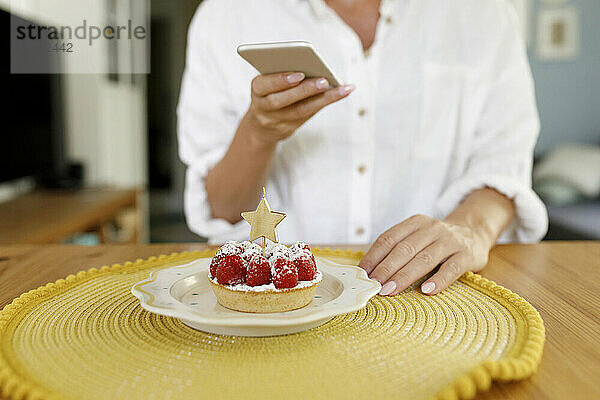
{"x": 431, "y": 142}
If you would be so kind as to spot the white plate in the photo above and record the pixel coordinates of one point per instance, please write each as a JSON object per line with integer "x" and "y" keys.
{"x": 184, "y": 292}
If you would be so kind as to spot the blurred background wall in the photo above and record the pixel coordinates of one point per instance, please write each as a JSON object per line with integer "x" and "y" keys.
{"x": 568, "y": 91}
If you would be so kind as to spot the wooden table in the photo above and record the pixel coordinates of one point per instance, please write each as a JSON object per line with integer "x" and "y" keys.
{"x": 560, "y": 279}
{"x": 51, "y": 216}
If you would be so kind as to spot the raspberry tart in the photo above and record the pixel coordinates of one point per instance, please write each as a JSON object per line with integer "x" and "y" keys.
{"x": 284, "y": 279}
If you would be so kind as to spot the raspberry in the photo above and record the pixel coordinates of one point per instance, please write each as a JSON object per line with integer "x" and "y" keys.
{"x": 231, "y": 270}
{"x": 259, "y": 271}
{"x": 230, "y": 247}
{"x": 285, "y": 274}
{"x": 306, "y": 266}
{"x": 214, "y": 264}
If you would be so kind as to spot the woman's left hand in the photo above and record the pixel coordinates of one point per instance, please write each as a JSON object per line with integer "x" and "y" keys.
{"x": 413, "y": 248}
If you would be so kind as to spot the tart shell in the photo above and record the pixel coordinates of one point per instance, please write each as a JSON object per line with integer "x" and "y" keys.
{"x": 269, "y": 301}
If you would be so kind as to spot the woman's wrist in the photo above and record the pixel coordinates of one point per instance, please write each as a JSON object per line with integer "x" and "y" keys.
{"x": 481, "y": 233}
{"x": 257, "y": 138}
{"x": 486, "y": 213}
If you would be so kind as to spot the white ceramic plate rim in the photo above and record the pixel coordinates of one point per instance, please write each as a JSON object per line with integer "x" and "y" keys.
{"x": 162, "y": 302}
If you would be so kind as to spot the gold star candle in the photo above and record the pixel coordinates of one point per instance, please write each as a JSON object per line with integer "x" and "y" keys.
{"x": 263, "y": 221}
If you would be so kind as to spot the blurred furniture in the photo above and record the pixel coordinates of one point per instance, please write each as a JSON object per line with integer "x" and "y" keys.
{"x": 579, "y": 221}
{"x": 567, "y": 178}
{"x": 104, "y": 114}
{"x": 561, "y": 279}
{"x": 47, "y": 216}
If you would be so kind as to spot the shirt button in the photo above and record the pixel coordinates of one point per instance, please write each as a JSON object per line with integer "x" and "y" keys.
{"x": 362, "y": 112}
{"x": 389, "y": 20}
{"x": 362, "y": 169}
{"x": 367, "y": 53}
{"x": 360, "y": 231}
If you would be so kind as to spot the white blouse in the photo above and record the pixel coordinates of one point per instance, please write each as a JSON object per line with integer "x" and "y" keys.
{"x": 444, "y": 104}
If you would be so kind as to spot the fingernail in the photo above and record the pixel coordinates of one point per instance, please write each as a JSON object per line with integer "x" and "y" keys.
{"x": 295, "y": 77}
{"x": 322, "y": 83}
{"x": 428, "y": 287}
{"x": 387, "y": 288}
{"x": 344, "y": 90}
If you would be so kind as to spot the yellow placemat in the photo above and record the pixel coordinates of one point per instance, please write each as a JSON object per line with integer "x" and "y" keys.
{"x": 86, "y": 337}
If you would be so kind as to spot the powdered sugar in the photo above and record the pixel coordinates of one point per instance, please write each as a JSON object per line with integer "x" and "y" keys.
{"x": 298, "y": 246}
{"x": 229, "y": 248}
{"x": 251, "y": 251}
{"x": 300, "y": 253}
{"x": 248, "y": 245}
{"x": 243, "y": 248}
{"x": 242, "y": 287}
{"x": 276, "y": 249}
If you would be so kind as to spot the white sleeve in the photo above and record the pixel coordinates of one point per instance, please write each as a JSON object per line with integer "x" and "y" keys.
{"x": 207, "y": 121}
{"x": 501, "y": 155}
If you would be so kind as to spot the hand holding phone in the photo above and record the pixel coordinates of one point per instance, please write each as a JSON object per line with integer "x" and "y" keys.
{"x": 284, "y": 96}
{"x": 295, "y": 55}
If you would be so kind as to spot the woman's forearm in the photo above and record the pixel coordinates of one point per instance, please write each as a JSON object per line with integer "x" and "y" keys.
{"x": 485, "y": 211}
{"x": 280, "y": 104}
{"x": 234, "y": 184}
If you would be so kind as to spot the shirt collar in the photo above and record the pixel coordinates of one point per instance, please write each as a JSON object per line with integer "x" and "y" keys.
{"x": 321, "y": 9}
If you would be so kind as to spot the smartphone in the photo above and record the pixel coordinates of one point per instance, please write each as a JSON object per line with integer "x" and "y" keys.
{"x": 288, "y": 56}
